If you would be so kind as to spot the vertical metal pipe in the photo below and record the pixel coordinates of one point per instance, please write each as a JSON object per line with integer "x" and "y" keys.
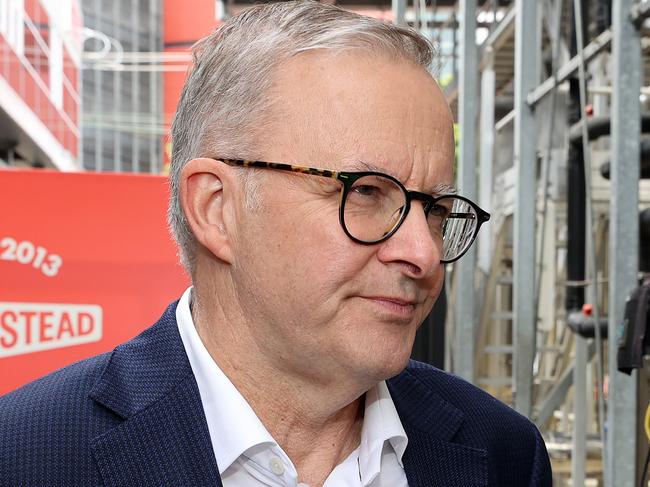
{"x": 117, "y": 97}
{"x": 81, "y": 163}
{"x": 579, "y": 448}
{"x": 576, "y": 224}
{"x": 399, "y": 11}
{"x": 495, "y": 8}
{"x": 623, "y": 240}
{"x": 556, "y": 42}
{"x": 525, "y": 144}
{"x": 575, "y": 293}
{"x": 97, "y": 104}
{"x": 581, "y": 21}
{"x": 644, "y": 241}
{"x": 155, "y": 164}
{"x": 454, "y": 43}
{"x": 135, "y": 87}
{"x": 221, "y": 10}
{"x": 463, "y": 357}
{"x": 603, "y": 15}
{"x": 488, "y": 83}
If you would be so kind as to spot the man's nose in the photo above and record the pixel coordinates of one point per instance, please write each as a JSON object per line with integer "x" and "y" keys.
{"x": 413, "y": 244}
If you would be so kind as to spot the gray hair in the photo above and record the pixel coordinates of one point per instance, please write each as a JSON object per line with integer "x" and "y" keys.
{"x": 223, "y": 103}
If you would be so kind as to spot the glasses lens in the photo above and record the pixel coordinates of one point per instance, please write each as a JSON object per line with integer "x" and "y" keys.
{"x": 454, "y": 220}
{"x": 374, "y": 205}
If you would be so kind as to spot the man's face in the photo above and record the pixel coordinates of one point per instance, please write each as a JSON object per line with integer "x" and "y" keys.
{"x": 319, "y": 305}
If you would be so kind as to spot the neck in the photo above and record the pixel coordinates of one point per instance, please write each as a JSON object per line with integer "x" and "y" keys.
{"x": 318, "y": 424}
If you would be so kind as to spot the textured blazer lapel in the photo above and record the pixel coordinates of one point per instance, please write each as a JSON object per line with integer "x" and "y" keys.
{"x": 431, "y": 462}
{"x": 430, "y": 422}
{"x": 164, "y": 438}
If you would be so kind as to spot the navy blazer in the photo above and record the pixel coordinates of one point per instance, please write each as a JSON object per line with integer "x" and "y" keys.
{"x": 133, "y": 417}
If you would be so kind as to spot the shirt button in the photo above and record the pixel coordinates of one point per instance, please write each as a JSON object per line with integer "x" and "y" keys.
{"x": 277, "y": 467}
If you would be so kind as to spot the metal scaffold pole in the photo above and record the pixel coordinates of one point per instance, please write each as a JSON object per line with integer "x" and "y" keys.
{"x": 525, "y": 137}
{"x": 581, "y": 347}
{"x": 464, "y": 316}
{"x": 623, "y": 240}
{"x": 399, "y": 11}
{"x": 487, "y": 133}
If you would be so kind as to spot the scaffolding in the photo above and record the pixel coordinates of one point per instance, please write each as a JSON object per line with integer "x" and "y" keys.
{"x": 122, "y": 117}
{"x": 539, "y": 86}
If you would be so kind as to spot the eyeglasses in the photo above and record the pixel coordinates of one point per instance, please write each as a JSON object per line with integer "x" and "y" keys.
{"x": 374, "y": 205}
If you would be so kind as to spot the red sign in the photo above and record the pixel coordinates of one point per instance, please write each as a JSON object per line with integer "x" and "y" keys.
{"x": 86, "y": 262}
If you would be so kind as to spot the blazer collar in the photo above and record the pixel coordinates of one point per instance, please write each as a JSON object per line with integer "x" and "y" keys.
{"x": 145, "y": 369}
{"x": 431, "y": 423}
{"x": 164, "y": 438}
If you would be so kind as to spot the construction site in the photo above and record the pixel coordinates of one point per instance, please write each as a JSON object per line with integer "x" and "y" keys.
{"x": 547, "y": 311}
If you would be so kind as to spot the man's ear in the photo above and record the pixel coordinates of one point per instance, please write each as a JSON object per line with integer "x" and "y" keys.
{"x": 202, "y": 183}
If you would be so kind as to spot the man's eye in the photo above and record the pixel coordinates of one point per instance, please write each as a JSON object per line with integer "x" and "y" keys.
{"x": 366, "y": 190}
{"x": 439, "y": 211}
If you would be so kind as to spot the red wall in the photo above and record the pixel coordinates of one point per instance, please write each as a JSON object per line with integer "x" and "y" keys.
{"x": 86, "y": 262}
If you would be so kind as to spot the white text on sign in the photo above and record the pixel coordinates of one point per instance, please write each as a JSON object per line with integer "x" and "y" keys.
{"x": 27, "y": 253}
{"x": 32, "y": 327}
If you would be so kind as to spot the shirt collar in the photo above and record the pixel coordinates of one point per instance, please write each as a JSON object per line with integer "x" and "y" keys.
{"x": 381, "y": 424}
{"x": 235, "y": 428}
{"x": 233, "y": 425}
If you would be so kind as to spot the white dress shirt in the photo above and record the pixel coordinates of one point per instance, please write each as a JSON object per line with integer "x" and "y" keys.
{"x": 247, "y": 454}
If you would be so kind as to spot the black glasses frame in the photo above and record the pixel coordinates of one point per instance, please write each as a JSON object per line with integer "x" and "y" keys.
{"x": 348, "y": 178}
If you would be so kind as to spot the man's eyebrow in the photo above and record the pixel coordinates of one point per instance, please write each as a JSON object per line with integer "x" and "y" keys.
{"x": 442, "y": 188}
{"x": 436, "y": 190}
{"x": 358, "y": 165}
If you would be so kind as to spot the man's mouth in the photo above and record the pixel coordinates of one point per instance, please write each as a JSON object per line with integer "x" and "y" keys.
{"x": 394, "y": 305}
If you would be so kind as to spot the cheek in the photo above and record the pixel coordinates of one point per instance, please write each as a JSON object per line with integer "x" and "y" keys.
{"x": 327, "y": 264}
{"x": 301, "y": 249}
{"x": 317, "y": 240}
{"x": 436, "y": 287}
{"x": 295, "y": 241}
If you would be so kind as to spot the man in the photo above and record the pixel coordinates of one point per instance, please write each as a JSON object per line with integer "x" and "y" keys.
{"x": 313, "y": 205}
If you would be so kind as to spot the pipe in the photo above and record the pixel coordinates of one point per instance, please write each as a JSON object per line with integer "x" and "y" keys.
{"x": 603, "y": 15}
{"x": 644, "y": 241}
{"x": 576, "y": 199}
{"x": 599, "y": 127}
{"x": 644, "y": 170}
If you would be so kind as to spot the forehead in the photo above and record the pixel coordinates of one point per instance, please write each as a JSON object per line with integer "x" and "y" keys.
{"x": 340, "y": 110}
